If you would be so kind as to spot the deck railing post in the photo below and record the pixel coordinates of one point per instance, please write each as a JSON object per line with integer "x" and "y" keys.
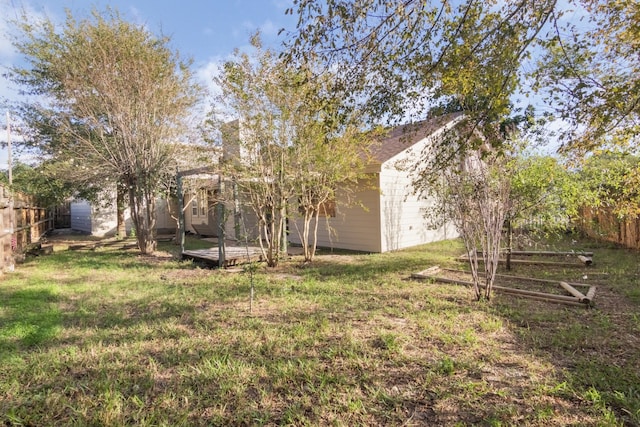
{"x": 181, "y": 227}
{"x": 220, "y": 216}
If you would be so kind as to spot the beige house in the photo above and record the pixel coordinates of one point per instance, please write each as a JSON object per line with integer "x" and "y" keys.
{"x": 390, "y": 215}
{"x": 387, "y": 217}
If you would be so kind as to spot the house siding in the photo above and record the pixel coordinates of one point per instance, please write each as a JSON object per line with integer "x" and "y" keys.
{"x": 403, "y": 222}
{"x": 104, "y": 221}
{"x": 248, "y": 226}
{"x": 165, "y": 223}
{"x": 354, "y": 227}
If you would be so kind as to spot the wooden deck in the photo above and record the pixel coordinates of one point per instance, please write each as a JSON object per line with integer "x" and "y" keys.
{"x": 234, "y": 255}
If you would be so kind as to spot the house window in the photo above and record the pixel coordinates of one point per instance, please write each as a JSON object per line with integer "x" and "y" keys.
{"x": 202, "y": 195}
{"x": 194, "y": 206}
{"x": 326, "y": 209}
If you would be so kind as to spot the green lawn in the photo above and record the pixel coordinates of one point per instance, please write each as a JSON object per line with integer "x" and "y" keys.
{"x": 108, "y": 337}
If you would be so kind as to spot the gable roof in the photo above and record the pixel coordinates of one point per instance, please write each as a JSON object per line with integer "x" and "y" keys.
{"x": 402, "y": 137}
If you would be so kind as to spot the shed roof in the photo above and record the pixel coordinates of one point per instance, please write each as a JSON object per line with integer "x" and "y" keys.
{"x": 404, "y": 136}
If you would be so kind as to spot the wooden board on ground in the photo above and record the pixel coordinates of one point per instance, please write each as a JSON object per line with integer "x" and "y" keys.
{"x": 576, "y": 297}
{"x": 82, "y": 246}
{"x": 551, "y": 253}
{"x": 46, "y": 249}
{"x": 581, "y": 263}
{"x": 233, "y": 255}
{"x": 123, "y": 244}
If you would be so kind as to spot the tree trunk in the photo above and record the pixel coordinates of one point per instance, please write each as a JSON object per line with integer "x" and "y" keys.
{"x": 314, "y": 244}
{"x": 152, "y": 237}
{"x": 509, "y": 243}
{"x": 270, "y": 237}
{"x": 121, "y": 228}
{"x": 283, "y": 231}
{"x": 305, "y": 235}
{"x": 143, "y": 215}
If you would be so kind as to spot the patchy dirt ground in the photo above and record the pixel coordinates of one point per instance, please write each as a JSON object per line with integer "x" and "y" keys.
{"x": 538, "y": 355}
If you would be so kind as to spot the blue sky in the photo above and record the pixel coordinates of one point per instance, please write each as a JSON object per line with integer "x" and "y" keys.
{"x": 205, "y": 30}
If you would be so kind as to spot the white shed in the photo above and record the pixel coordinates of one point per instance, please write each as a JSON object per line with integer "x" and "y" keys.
{"x": 101, "y": 220}
{"x": 94, "y": 219}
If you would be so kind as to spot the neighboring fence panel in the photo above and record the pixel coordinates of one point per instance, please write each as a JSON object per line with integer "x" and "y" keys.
{"x": 62, "y": 216}
{"x": 22, "y": 223}
{"x": 603, "y": 224}
{"x": 6, "y": 227}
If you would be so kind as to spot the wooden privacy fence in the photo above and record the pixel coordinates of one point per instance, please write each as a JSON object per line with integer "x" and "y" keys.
{"x": 603, "y": 224}
{"x": 22, "y": 224}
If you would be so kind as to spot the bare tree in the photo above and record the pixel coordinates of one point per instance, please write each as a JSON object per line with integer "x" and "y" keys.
{"x": 480, "y": 201}
{"x": 293, "y": 146}
{"x": 474, "y": 193}
{"x": 117, "y": 99}
{"x": 328, "y": 156}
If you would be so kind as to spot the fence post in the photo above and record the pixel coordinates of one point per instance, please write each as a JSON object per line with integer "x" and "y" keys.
{"x": 8, "y": 239}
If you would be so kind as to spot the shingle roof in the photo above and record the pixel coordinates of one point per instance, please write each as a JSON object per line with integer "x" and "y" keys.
{"x": 402, "y": 137}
